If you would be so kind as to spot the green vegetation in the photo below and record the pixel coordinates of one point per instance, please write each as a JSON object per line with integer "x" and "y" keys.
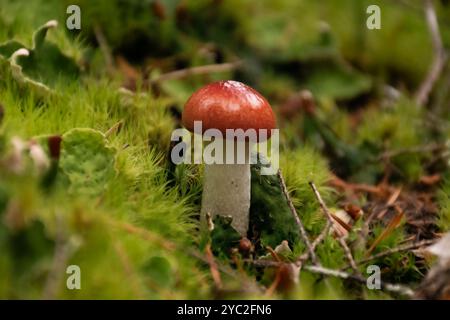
{"x": 85, "y": 170}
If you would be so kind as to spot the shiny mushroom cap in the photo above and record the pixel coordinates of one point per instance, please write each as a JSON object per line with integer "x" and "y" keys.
{"x": 228, "y": 105}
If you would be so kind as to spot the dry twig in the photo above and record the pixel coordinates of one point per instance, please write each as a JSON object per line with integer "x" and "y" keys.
{"x": 440, "y": 57}
{"x": 315, "y": 243}
{"x": 115, "y": 128}
{"x": 393, "y": 224}
{"x": 64, "y": 248}
{"x": 188, "y": 72}
{"x": 213, "y": 267}
{"x": 411, "y": 150}
{"x": 395, "y": 288}
{"x": 402, "y": 248}
{"x": 329, "y": 216}
{"x": 299, "y": 223}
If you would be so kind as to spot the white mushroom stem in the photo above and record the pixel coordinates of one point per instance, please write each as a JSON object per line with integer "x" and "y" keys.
{"x": 226, "y": 191}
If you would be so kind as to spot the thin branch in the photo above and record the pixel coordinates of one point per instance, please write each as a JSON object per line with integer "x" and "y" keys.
{"x": 348, "y": 254}
{"x": 315, "y": 243}
{"x": 104, "y": 47}
{"x": 188, "y": 72}
{"x": 248, "y": 284}
{"x": 440, "y": 56}
{"x": 322, "y": 204}
{"x": 364, "y": 232}
{"x": 395, "y": 288}
{"x": 64, "y": 248}
{"x": 337, "y": 182}
{"x": 299, "y": 223}
{"x": 213, "y": 267}
{"x": 402, "y": 248}
{"x": 115, "y": 128}
{"x": 329, "y": 216}
{"x": 392, "y": 225}
{"x": 411, "y": 150}
{"x": 322, "y": 235}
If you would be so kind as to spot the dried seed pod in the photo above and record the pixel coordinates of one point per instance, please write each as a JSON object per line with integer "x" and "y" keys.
{"x": 354, "y": 211}
{"x": 245, "y": 246}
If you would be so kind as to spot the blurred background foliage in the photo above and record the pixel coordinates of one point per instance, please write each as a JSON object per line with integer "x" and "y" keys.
{"x": 121, "y": 211}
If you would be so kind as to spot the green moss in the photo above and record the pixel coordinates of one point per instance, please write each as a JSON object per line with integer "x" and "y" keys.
{"x": 394, "y": 130}
{"x": 300, "y": 167}
{"x": 444, "y": 206}
{"x": 125, "y": 214}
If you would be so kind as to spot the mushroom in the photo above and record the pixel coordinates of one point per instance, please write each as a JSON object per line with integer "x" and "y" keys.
{"x": 226, "y": 105}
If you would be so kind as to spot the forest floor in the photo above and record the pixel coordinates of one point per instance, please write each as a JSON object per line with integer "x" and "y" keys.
{"x": 86, "y": 179}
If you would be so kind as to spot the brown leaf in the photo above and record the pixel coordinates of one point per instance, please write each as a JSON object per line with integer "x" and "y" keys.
{"x": 354, "y": 211}
{"x": 430, "y": 180}
{"x": 213, "y": 267}
{"x": 393, "y": 224}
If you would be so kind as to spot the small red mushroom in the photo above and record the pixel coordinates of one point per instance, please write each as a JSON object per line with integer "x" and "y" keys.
{"x": 229, "y": 105}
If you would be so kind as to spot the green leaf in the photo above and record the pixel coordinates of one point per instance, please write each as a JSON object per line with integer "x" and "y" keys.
{"x": 42, "y": 66}
{"x": 17, "y": 72}
{"x": 41, "y": 32}
{"x": 87, "y": 161}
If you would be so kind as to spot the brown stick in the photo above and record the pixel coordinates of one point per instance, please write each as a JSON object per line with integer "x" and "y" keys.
{"x": 393, "y": 224}
{"x": 64, "y": 248}
{"x": 440, "y": 56}
{"x": 213, "y": 267}
{"x": 299, "y": 223}
{"x": 115, "y": 128}
{"x": 395, "y": 288}
{"x": 207, "y": 69}
{"x": 396, "y": 250}
{"x": 315, "y": 243}
{"x": 411, "y": 150}
{"x": 329, "y": 216}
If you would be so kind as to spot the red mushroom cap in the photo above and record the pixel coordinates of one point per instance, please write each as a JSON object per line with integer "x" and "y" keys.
{"x": 228, "y": 105}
